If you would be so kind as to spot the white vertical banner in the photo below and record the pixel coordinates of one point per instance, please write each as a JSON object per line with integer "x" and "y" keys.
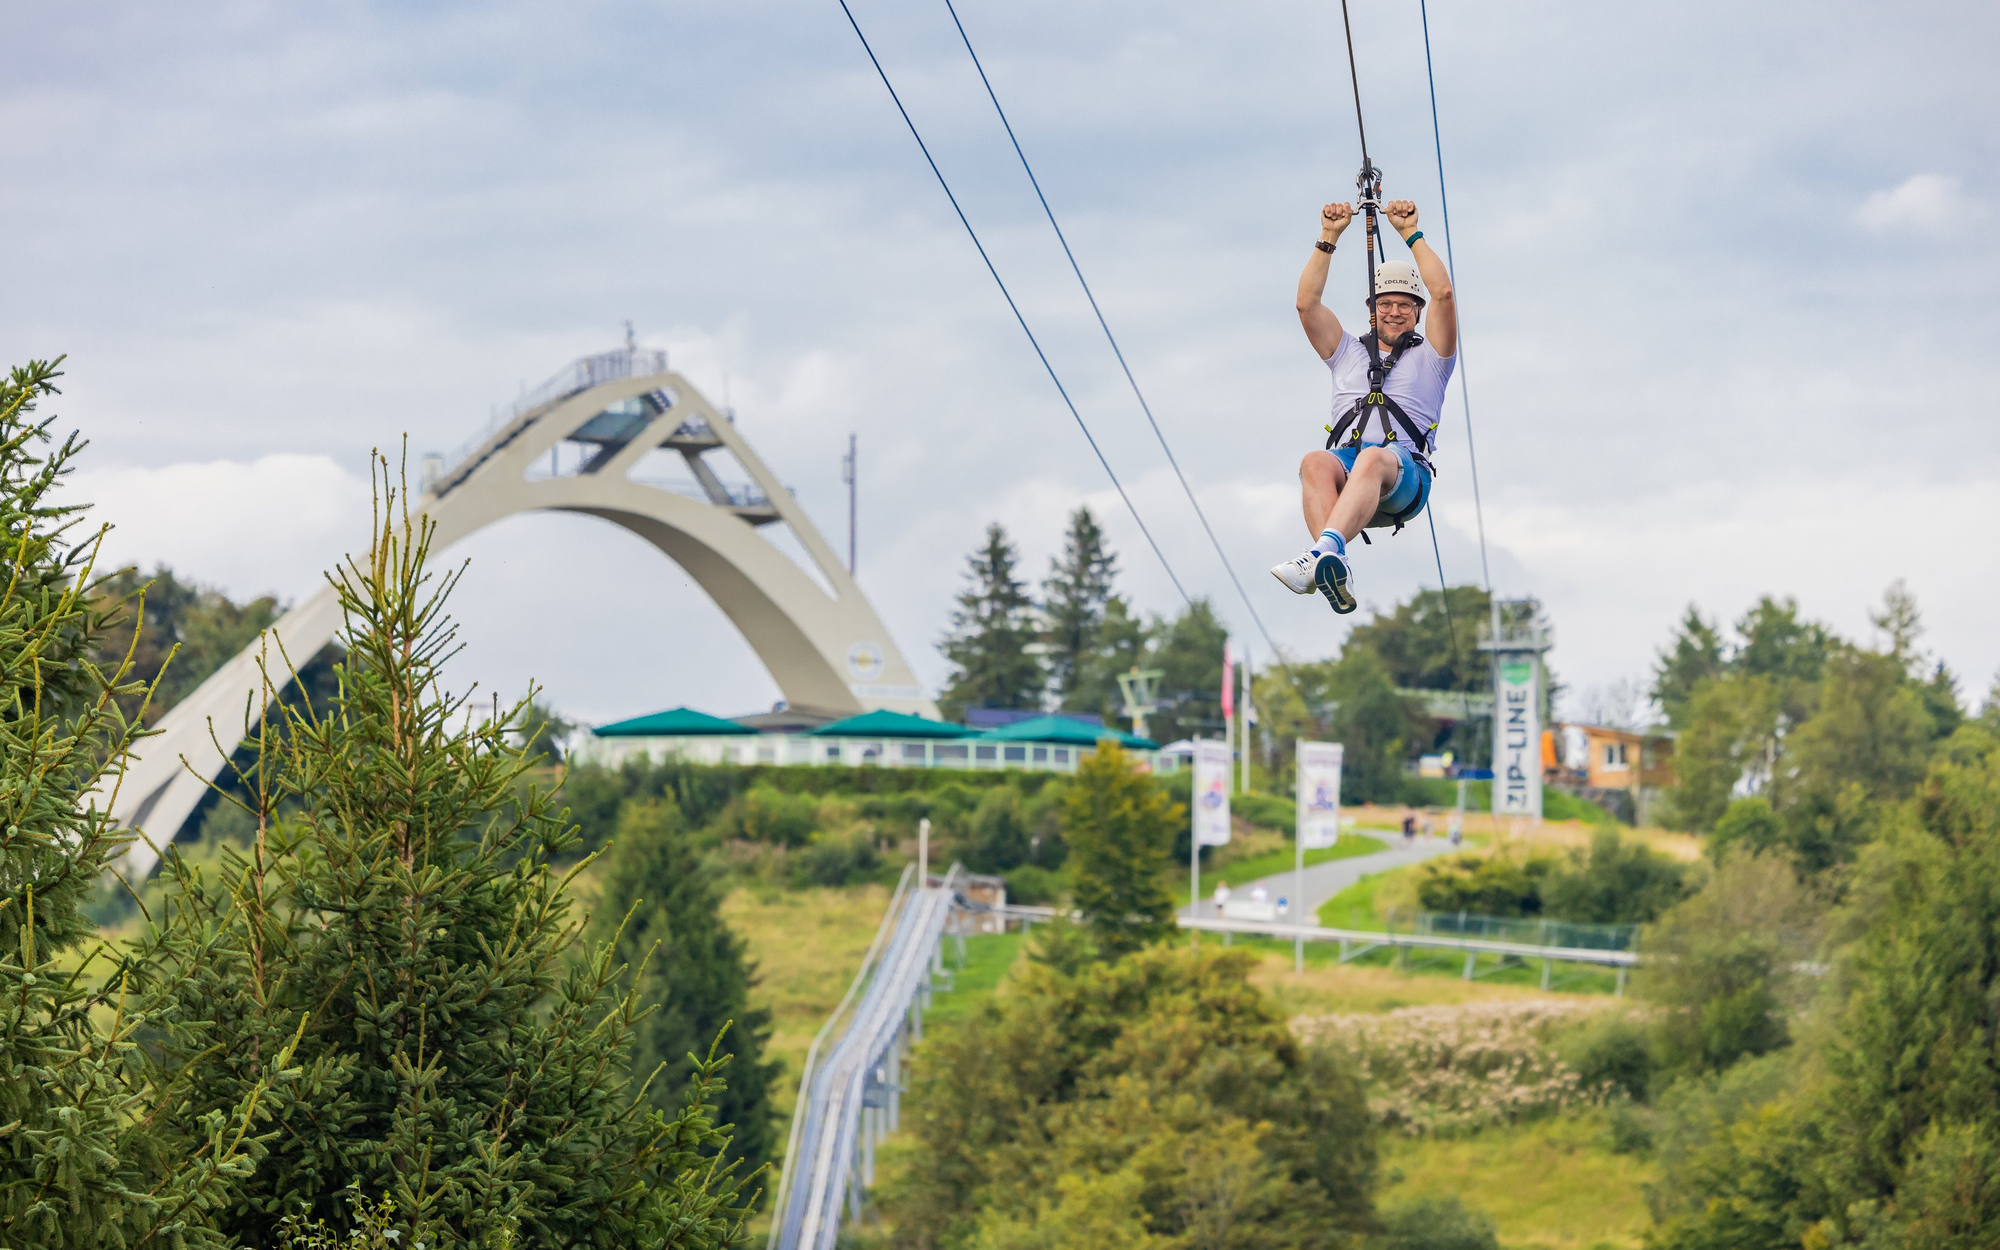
{"x": 1517, "y": 736}
{"x": 1319, "y": 794}
{"x": 1210, "y": 807}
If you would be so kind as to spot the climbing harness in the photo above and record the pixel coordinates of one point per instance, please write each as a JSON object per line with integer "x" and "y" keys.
{"x": 1353, "y": 425}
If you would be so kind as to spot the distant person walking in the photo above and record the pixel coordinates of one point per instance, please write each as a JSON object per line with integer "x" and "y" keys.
{"x": 1409, "y": 827}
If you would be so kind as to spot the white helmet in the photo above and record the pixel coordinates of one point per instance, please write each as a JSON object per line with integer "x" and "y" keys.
{"x": 1399, "y": 277}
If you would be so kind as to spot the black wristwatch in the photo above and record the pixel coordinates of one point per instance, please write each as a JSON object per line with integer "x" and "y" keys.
{"x": 1323, "y": 245}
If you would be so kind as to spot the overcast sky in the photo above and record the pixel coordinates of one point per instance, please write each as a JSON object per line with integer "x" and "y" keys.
{"x": 1726, "y": 275}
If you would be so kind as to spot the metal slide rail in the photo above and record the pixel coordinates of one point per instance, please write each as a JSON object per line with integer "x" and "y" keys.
{"x": 849, "y": 1100}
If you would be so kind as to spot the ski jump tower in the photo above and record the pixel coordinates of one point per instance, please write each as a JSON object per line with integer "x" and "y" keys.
{"x": 817, "y": 635}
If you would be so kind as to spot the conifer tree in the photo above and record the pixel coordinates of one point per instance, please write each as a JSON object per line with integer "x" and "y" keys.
{"x": 1695, "y": 655}
{"x": 1120, "y": 830}
{"x": 397, "y": 920}
{"x": 992, "y": 635}
{"x": 83, "y": 1161}
{"x": 1074, "y": 596}
{"x": 663, "y": 915}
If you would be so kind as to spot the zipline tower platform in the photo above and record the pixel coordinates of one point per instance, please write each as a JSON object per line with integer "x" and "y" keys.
{"x": 1518, "y": 636}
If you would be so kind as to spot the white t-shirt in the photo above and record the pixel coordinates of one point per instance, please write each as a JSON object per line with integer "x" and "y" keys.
{"x": 1416, "y": 384}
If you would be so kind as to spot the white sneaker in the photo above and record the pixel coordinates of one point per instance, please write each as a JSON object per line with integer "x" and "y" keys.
{"x": 1335, "y": 580}
{"x": 1300, "y": 575}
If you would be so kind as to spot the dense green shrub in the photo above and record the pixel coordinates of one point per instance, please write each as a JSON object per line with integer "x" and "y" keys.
{"x": 1612, "y": 1049}
{"x": 1031, "y": 885}
{"x": 764, "y": 814}
{"x": 1727, "y": 966}
{"x": 1156, "y": 1100}
{"x": 1432, "y": 1223}
{"x": 998, "y": 839}
{"x": 1486, "y": 885}
{"x": 1615, "y": 882}
{"x": 835, "y": 861}
{"x": 1618, "y": 881}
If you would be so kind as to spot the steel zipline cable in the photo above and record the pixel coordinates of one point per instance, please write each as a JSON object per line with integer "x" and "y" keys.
{"x": 1368, "y": 169}
{"x": 1109, "y": 337}
{"x": 1015, "y": 308}
{"x": 1451, "y": 269}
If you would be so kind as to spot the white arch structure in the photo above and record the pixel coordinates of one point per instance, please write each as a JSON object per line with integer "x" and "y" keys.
{"x": 827, "y": 651}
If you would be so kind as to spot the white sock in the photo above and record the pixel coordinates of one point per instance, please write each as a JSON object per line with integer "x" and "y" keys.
{"x": 1332, "y": 539}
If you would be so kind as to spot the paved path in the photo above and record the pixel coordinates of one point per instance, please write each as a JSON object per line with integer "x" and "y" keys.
{"x": 1323, "y": 881}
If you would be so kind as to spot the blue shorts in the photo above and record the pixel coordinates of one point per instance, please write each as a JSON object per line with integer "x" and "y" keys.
{"x": 1413, "y": 488}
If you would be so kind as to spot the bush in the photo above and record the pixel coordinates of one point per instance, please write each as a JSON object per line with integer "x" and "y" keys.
{"x": 1488, "y": 885}
{"x": 1266, "y": 811}
{"x": 836, "y": 861}
{"x": 1032, "y": 886}
{"x": 1437, "y": 1224}
{"x": 999, "y": 836}
{"x": 763, "y": 814}
{"x": 1617, "y": 882}
{"x": 1612, "y": 1050}
{"x": 1749, "y": 823}
{"x": 1158, "y": 1100}
{"x": 1727, "y": 968}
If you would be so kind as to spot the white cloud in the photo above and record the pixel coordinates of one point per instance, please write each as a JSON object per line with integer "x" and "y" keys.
{"x": 1921, "y": 201}
{"x": 274, "y": 238}
{"x": 267, "y": 526}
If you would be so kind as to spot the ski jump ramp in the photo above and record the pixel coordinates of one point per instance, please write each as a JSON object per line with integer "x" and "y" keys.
{"x": 813, "y": 629}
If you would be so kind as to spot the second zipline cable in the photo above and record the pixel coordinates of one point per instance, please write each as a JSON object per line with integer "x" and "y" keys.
{"x": 1109, "y": 337}
{"x": 1015, "y": 308}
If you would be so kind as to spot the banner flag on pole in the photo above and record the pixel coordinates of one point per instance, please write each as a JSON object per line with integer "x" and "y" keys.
{"x": 1210, "y": 807}
{"x": 1319, "y": 794}
{"x": 1517, "y": 736}
{"x": 1228, "y": 679}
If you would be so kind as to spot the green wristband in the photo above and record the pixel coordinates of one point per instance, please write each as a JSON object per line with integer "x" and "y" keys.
{"x": 1412, "y": 240}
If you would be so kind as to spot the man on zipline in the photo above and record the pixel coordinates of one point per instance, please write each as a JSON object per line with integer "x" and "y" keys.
{"x": 1376, "y": 468}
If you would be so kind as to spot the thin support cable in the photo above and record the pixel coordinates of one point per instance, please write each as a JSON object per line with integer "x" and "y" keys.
{"x": 1451, "y": 269}
{"x": 1354, "y": 75}
{"x": 1105, "y": 325}
{"x": 1368, "y": 169}
{"x": 1015, "y": 308}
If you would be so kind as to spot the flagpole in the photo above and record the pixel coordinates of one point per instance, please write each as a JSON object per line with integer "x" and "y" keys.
{"x": 1298, "y": 866}
{"x": 1245, "y": 701}
{"x": 1194, "y": 846}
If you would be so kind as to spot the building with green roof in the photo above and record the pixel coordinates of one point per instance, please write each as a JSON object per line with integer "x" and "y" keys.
{"x": 883, "y": 738}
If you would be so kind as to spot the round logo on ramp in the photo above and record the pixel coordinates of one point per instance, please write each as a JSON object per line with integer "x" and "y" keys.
{"x": 864, "y": 661}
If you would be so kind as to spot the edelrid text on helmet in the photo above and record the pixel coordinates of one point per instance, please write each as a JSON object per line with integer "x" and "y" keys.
{"x": 1399, "y": 277}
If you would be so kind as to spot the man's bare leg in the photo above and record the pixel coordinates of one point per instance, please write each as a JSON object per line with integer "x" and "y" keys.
{"x": 1376, "y": 471}
{"x": 1334, "y": 499}
{"x": 1321, "y": 477}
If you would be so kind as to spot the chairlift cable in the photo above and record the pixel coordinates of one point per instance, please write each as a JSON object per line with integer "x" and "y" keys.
{"x": 1015, "y": 308}
{"x": 1109, "y": 337}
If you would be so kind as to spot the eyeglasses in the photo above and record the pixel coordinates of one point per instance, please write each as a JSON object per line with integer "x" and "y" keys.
{"x": 1387, "y": 304}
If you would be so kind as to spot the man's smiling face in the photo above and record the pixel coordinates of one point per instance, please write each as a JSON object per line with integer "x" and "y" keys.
{"x": 1395, "y": 314}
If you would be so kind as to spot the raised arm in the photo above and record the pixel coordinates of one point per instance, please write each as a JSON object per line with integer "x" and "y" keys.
{"x": 1441, "y": 317}
{"x": 1322, "y": 327}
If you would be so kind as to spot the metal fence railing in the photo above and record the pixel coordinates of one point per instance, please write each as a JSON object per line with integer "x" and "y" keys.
{"x": 1527, "y": 930}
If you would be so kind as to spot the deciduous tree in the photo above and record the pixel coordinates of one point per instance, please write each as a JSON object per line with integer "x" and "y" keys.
{"x": 1120, "y": 831}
